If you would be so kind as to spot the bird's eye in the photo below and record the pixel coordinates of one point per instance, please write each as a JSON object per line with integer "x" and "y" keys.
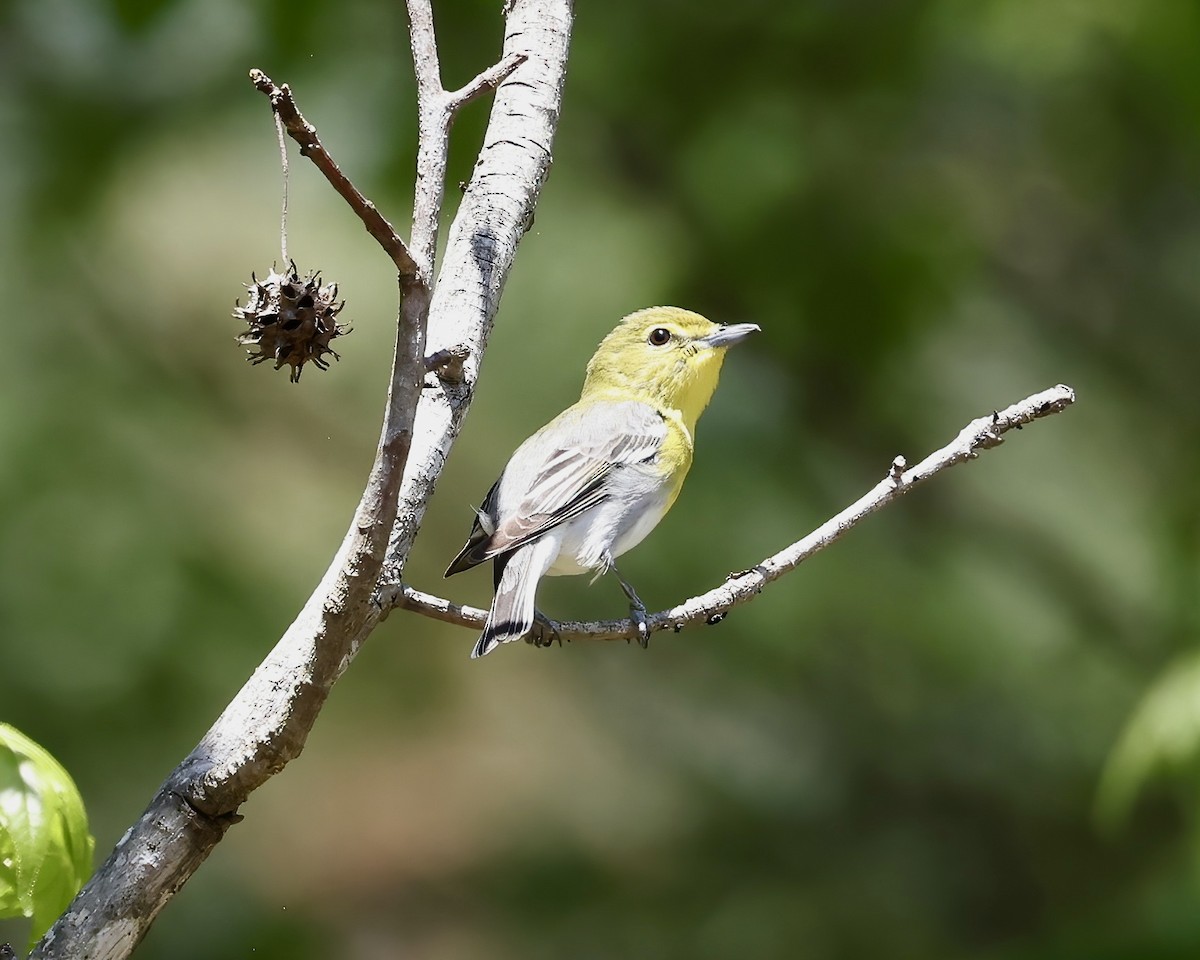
{"x": 659, "y": 336}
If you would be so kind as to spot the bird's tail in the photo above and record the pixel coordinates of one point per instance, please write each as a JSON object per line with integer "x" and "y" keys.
{"x": 513, "y": 606}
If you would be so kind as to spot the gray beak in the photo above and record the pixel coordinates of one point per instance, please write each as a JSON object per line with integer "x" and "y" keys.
{"x": 728, "y": 335}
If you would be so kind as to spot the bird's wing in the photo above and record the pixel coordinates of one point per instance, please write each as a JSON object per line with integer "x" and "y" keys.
{"x": 568, "y": 472}
{"x": 481, "y": 532}
{"x": 560, "y": 472}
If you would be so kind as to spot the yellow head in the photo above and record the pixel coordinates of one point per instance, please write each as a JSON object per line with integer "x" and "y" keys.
{"x": 664, "y": 356}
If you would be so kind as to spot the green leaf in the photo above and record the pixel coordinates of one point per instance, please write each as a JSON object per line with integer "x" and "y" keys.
{"x": 45, "y": 847}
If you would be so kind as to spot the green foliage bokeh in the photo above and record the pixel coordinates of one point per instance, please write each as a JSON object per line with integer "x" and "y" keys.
{"x": 931, "y": 208}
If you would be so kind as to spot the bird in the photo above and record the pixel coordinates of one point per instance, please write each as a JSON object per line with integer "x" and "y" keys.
{"x": 594, "y": 481}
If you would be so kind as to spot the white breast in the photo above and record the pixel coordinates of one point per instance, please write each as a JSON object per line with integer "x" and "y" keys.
{"x": 609, "y": 529}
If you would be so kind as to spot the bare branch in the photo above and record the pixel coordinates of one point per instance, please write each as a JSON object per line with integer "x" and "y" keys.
{"x": 433, "y": 127}
{"x": 305, "y": 134}
{"x": 435, "y": 111}
{"x": 267, "y": 723}
{"x": 488, "y": 80}
{"x": 742, "y": 587}
{"x": 439, "y": 608}
{"x": 494, "y": 213}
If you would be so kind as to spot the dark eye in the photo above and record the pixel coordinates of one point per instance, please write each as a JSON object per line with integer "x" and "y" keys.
{"x": 659, "y": 336}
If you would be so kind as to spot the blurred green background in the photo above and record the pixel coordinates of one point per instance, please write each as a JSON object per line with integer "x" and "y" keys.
{"x": 968, "y": 730}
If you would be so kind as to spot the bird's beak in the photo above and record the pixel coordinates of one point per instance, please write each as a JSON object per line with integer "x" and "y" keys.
{"x": 728, "y": 334}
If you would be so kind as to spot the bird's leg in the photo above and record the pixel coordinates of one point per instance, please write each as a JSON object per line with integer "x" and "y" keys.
{"x": 544, "y": 633}
{"x": 637, "y": 609}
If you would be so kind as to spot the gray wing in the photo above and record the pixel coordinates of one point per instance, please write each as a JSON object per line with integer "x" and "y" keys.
{"x": 561, "y": 471}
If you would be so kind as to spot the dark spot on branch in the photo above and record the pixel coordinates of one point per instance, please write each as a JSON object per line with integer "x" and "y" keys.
{"x": 717, "y": 617}
{"x": 448, "y": 363}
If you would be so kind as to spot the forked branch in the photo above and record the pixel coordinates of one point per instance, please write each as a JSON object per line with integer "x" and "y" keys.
{"x": 266, "y": 724}
{"x": 485, "y": 82}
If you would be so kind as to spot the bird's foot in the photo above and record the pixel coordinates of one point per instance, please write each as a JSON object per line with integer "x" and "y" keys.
{"x": 544, "y": 633}
{"x": 638, "y": 615}
{"x": 637, "y": 609}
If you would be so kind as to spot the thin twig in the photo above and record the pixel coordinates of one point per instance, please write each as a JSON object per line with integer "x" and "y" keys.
{"x": 305, "y": 134}
{"x": 485, "y": 82}
{"x": 744, "y": 586}
{"x": 447, "y": 611}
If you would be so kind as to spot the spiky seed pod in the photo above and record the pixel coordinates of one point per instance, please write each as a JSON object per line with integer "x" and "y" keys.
{"x": 290, "y": 320}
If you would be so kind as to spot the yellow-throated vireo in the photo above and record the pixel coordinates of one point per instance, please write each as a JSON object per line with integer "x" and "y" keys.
{"x": 595, "y": 480}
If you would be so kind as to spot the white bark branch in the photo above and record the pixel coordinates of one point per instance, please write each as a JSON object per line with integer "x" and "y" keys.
{"x": 266, "y": 724}
{"x": 489, "y": 79}
{"x": 494, "y": 213}
{"x": 744, "y": 586}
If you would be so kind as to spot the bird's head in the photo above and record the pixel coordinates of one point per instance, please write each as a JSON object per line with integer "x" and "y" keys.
{"x": 665, "y": 356}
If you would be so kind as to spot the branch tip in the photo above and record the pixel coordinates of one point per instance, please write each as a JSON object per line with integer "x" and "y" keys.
{"x": 305, "y": 134}
{"x": 487, "y": 80}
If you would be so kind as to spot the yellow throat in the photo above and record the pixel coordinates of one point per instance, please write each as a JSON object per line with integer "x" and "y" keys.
{"x": 665, "y": 357}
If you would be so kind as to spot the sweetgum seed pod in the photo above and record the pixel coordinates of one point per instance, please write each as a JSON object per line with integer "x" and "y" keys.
{"x": 290, "y": 321}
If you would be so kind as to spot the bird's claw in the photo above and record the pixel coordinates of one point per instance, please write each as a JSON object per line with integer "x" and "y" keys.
{"x": 544, "y": 633}
{"x": 638, "y": 616}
